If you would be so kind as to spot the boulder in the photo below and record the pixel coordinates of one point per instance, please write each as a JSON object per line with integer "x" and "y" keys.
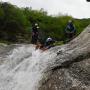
{"x": 71, "y": 67}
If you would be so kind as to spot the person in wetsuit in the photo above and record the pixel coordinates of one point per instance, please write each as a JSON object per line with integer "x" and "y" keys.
{"x": 70, "y": 30}
{"x": 35, "y": 33}
{"x": 49, "y": 42}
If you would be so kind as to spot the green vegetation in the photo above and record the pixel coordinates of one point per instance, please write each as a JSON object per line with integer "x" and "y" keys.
{"x": 15, "y": 24}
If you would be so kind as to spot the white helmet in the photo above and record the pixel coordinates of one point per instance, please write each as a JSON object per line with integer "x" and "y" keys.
{"x": 37, "y": 27}
{"x": 36, "y": 24}
{"x": 70, "y": 21}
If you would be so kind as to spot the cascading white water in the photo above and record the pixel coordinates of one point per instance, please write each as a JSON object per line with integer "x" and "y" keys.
{"x": 23, "y": 68}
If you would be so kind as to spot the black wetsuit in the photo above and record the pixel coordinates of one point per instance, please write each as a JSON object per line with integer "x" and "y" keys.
{"x": 34, "y": 35}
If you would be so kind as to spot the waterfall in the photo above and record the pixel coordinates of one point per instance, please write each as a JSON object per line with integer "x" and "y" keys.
{"x": 23, "y": 68}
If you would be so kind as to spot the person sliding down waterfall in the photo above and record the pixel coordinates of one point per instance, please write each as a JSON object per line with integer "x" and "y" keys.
{"x": 49, "y": 42}
{"x": 70, "y": 30}
{"x": 35, "y": 33}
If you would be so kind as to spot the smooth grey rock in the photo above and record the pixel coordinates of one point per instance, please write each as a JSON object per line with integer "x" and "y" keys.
{"x": 71, "y": 68}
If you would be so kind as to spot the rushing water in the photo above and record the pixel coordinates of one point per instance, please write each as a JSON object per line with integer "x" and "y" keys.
{"x": 23, "y": 67}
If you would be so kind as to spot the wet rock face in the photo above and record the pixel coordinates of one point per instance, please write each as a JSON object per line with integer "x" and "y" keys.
{"x": 71, "y": 69}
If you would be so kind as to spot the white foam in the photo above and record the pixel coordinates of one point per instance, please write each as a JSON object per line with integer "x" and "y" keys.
{"x": 23, "y": 68}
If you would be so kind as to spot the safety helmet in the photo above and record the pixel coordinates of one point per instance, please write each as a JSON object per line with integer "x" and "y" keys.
{"x": 37, "y": 27}
{"x": 70, "y": 21}
{"x": 36, "y": 24}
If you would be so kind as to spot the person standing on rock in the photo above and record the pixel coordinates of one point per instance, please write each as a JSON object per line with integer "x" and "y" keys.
{"x": 70, "y": 30}
{"x": 35, "y": 33}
